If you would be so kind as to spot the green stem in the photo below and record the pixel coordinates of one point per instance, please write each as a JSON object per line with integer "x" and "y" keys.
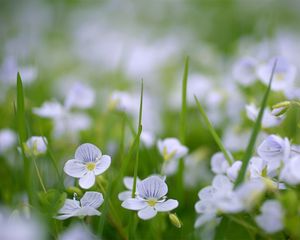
{"x": 39, "y": 175}
{"x": 213, "y": 132}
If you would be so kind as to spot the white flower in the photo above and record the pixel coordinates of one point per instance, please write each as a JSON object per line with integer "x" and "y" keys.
{"x": 121, "y": 101}
{"x": 233, "y": 171}
{"x": 77, "y": 232}
{"x": 87, "y": 206}
{"x": 274, "y": 150}
{"x": 36, "y": 145}
{"x": 244, "y": 71}
{"x": 171, "y": 148}
{"x": 151, "y": 198}
{"x": 219, "y": 163}
{"x": 128, "y": 182}
{"x": 256, "y": 167}
{"x": 49, "y": 110}
{"x": 88, "y": 163}
{"x": 80, "y": 95}
{"x": 268, "y": 120}
{"x": 271, "y": 217}
{"x": 147, "y": 138}
{"x": 8, "y": 139}
{"x": 284, "y": 75}
{"x": 291, "y": 171}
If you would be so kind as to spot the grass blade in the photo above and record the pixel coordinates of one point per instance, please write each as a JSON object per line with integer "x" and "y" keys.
{"x": 255, "y": 131}
{"x": 213, "y": 132}
{"x": 138, "y": 141}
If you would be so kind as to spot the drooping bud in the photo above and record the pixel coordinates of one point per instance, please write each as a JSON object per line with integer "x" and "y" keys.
{"x": 175, "y": 220}
{"x": 280, "y": 108}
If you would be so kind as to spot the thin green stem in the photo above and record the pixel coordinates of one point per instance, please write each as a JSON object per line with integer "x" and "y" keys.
{"x": 39, "y": 175}
{"x": 213, "y": 132}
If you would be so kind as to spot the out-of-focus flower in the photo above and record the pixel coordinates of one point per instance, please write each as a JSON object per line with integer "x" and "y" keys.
{"x": 151, "y": 198}
{"x": 77, "y": 232}
{"x": 233, "y": 171}
{"x": 121, "y": 101}
{"x": 88, "y": 163}
{"x": 244, "y": 71}
{"x": 128, "y": 182}
{"x": 36, "y": 145}
{"x": 8, "y": 139}
{"x": 274, "y": 150}
{"x": 271, "y": 217}
{"x": 147, "y": 138}
{"x": 284, "y": 75}
{"x": 291, "y": 171}
{"x": 80, "y": 96}
{"x": 171, "y": 150}
{"x": 268, "y": 120}
{"x": 87, "y": 206}
{"x": 219, "y": 163}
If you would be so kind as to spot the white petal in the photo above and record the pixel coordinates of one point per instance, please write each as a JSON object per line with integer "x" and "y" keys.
{"x": 170, "y": 167}
{"x": 64, "y": 216}
{"x": 88, "y": 180}
{"x": 75, "y": 168}
{"x": 204, "y": 219}
{"x": 205, "y": 206}
{"x": 134, "y": 204}
{"x": 207, "y": 193}
{"x": 219, "y": 163}
{"x": 69, "y": 207}
{"x": 166, "y": 206}
{"x": 124, "y": 195}
{"x": 92, "y": 199}
{"x": 102, "y": 164}
{"x": 87, "y": 211}
{"x": 147, "y": 213}
{"x": 222, "y": 183}
{"x": 87, "y": 152}
{"x": 233, "y": 170}
{"x": 128, "y": 182}
{"x": 152, "y": 187}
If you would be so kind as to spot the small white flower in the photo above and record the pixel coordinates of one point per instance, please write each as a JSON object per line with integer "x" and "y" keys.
{"x": 151, "y": 198}
{"x": 80, "y": 95}
{"x": 8, "y": 139}
{"x": 88, "y": 163}
{"x": 271, "y": 217}
{"x": 49, "y": 110}
{"x": 268, "y": 120}
{"x": 36, "y": 145}
{"x": 219, "y": 163}
{"x": 256, "y": 167}
{"x": 87, "y": 206}
{"x": 128, "y": 182}
{"x": 121, "y": 101}
{"x": 244, "y": 71}
{"x": 171, "y": 148}
{"x": 284, "y": 75}
{"x": 274, "y": 150}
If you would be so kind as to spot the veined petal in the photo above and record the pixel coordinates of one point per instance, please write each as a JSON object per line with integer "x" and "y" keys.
{"x": 88, "y": 180}
{"x": 166, "y": 206}
{"x": 88, "y": 152}
{"x": 92, "y": 199}
{"x": 64, "y": 216}
{"x": 102, "y": 164}
{"x": 134, "y": 204}
{"x": 75, "y": 168}
{"x": 152, "y": 187}
{"x": 87, "y": 211}
{"x": 69, "y": 207}
{"x": 128, "y": 182}
{"x": 147, "y": 213}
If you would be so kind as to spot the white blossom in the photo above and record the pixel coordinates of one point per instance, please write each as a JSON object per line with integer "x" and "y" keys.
{"x": 151, "y": 198}
{"x": 219, "y": 163}
{"x": 8, "y": 139}
{"x": 36, "y": 145}
{"x": 88, "y": 163}
{"x": 87, "y": 206}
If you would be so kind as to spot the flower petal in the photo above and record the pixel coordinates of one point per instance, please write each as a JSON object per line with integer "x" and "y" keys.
{"x": 124, "y": 195}
{"x": 102, "y": 164}
{"x": 87, "y": 211}
{"x": 64, "y": 216}
{"x": 88, "y": 180}
{"x": 134, "y": 204}
{"x": 69, "y": 206}
{"x": 75, "y": 168}
{"x": 166, "y": 206}
{"x": 92, "y": 199}
{"x": 147, "y": 213}
{"x": 87, "y": 152}
{"x": 152, "y": 187}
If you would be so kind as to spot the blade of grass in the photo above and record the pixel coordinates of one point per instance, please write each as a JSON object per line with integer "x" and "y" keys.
{"x": 182, "y": 133}
{"x": 22, "y": 133}
{"x": 138, "y": 141}
{"x": 255, "y": 131}
{"x": 213, "y": 132}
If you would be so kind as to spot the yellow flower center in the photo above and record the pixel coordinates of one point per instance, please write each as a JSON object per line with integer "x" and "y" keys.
{"x": 151, "y": 202}
{"x": 280, "y": 76}
{"x": 91, "y": 166}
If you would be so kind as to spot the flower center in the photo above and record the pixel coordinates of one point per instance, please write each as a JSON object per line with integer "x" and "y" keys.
{"x": 151, "y": 202}
{"x": 90, "y": 166}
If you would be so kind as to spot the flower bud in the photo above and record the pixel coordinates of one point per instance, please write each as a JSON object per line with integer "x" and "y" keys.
{"x": 175, "y": 220}
{"x": 280, "y": 108}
